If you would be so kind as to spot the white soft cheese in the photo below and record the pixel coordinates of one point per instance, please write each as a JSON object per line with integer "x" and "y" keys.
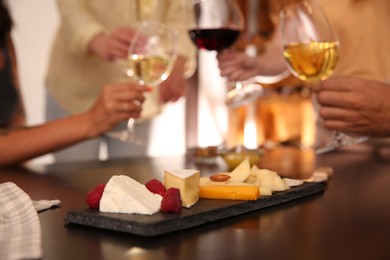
{"x": 187, "y": 181}
{"x": 123, "y": 194}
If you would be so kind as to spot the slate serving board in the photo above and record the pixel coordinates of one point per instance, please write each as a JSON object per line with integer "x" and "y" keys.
{"x": 205, "y": 210}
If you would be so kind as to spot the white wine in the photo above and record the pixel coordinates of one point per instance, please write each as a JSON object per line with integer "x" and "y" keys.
{"x": 151, "y": 70}
{"x": 312, "y": 61}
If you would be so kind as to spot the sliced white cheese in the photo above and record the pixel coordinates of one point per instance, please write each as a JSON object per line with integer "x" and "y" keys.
{"x": 123, "y": 194}
{"x": 265, "y": 191}
{"x": 292, "y": 182}
{"x": 272, "y": 180}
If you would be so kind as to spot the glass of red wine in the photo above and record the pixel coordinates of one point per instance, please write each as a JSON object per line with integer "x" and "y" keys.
{"x": 217, "y": 26}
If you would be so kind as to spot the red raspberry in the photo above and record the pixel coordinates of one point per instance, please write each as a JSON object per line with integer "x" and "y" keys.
{"x": 171, "y": 201}
{"x": 94, "y": 196}
{"x": 156, "y": 187}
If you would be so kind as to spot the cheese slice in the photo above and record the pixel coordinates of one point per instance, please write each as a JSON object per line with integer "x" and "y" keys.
{"x": 187, "y": 181}
{"x": 230, "y": 192}
{"x": 272, "y": 180}
{"x": 265, "y": 191}
{"x": 123, "y": 194}
{"x": 241, "y": 172}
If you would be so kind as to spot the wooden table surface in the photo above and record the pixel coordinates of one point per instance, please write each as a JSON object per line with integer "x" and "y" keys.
{"x": 351, "y": 220}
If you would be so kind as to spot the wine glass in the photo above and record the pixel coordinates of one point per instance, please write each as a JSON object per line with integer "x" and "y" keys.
{"x": 152, "y": 53}
{"x": 311, "y": 49}
{"x": 218, "y": 24}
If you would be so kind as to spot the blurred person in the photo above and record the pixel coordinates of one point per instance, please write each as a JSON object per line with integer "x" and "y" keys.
{"x": 362, "y": 29}
{"x": 93, "y": 38}
{"x": 363, "y": 33}
{"x": 19, "y": 143}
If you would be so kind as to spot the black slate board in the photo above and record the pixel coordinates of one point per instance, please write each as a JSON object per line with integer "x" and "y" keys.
{"x": 205, "y": 210}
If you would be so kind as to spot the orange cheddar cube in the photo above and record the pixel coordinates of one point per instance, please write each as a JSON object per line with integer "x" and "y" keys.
{"x": 229, "y": 192}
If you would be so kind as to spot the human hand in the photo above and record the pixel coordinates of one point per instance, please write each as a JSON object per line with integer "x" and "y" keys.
{"x": 117, "y": 102}
{"x": 175, "y": 86}
{"x": 114, "y": 45}
{"x": 354, "y": 105}
{"x": 237, "y": 66}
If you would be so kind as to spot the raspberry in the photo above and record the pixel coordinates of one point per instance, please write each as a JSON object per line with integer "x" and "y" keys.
{"x": 94, "y": 196}
{"x": 156, "y": 187}
{"x": 171, "y": 201}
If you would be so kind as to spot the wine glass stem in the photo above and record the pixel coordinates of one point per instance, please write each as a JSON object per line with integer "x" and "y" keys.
{"x": 239, "y": 85}
{"x": 341, "y": 139}
{"x": 131, "y": 125}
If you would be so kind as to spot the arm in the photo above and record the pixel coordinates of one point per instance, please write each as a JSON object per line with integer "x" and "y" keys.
{"x": 355, "y": 105}
{"x": 115, "y": 104}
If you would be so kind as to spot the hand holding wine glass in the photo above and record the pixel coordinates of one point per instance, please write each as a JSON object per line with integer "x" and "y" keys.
{"x": 311, "y": 49}
{"x": 152, "y": 54}
{"x": 218, "y": 24}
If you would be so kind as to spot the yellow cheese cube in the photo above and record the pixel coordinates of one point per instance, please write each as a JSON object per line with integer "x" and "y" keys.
{"x": 187, "y": 181}
{"x": 265, "y": 191}
{"x": 230, "y": 192}
{"x": 272, "y": 180}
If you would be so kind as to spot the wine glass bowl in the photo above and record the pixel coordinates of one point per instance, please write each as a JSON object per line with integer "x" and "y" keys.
{"x": 217, "y": 24}
{"x": 312, "y": 62}
{"x": 152, "y": 53}
{"x": 311, "y": 47}
{"x": 217, "y": 27}
{"x": 214, "y": 39}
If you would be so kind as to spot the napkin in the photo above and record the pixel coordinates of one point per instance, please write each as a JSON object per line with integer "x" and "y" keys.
{"x": 41, "y": 205}
{"x": 20, "y": 230}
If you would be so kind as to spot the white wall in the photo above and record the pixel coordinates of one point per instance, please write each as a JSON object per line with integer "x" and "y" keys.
{"x": 35, "y": 24}
{"x": 212, "y": 112}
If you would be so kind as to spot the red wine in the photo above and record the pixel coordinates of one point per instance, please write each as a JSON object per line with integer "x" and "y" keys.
{"x": 214, "y": 39}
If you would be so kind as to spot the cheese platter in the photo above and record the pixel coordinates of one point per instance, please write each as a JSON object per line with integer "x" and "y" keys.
{"x": 185, "y": 199}
{"x": 204, "y": 211}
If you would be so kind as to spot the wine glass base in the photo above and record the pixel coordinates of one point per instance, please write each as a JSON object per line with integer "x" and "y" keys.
{"x": 125, "y": 136}
{"x": 341, "y": 140}
{"x": 244, "y": 96}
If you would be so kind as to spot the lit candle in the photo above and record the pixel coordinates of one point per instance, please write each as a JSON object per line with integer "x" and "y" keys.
{"x": 250, "y": 133}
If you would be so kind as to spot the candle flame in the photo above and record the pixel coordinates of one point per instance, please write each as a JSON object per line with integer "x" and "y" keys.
{"x": 250, "y": 131}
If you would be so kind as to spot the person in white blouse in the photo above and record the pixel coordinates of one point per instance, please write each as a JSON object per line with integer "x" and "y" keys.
{"x": 92, "y": 39}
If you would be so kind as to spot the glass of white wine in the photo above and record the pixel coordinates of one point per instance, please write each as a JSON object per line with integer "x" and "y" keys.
{"x": 311, "y": 49}
{"x": 152, "y": 53}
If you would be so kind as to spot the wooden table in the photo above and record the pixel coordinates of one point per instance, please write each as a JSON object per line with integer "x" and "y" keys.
{"x": 351, "y": 220}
